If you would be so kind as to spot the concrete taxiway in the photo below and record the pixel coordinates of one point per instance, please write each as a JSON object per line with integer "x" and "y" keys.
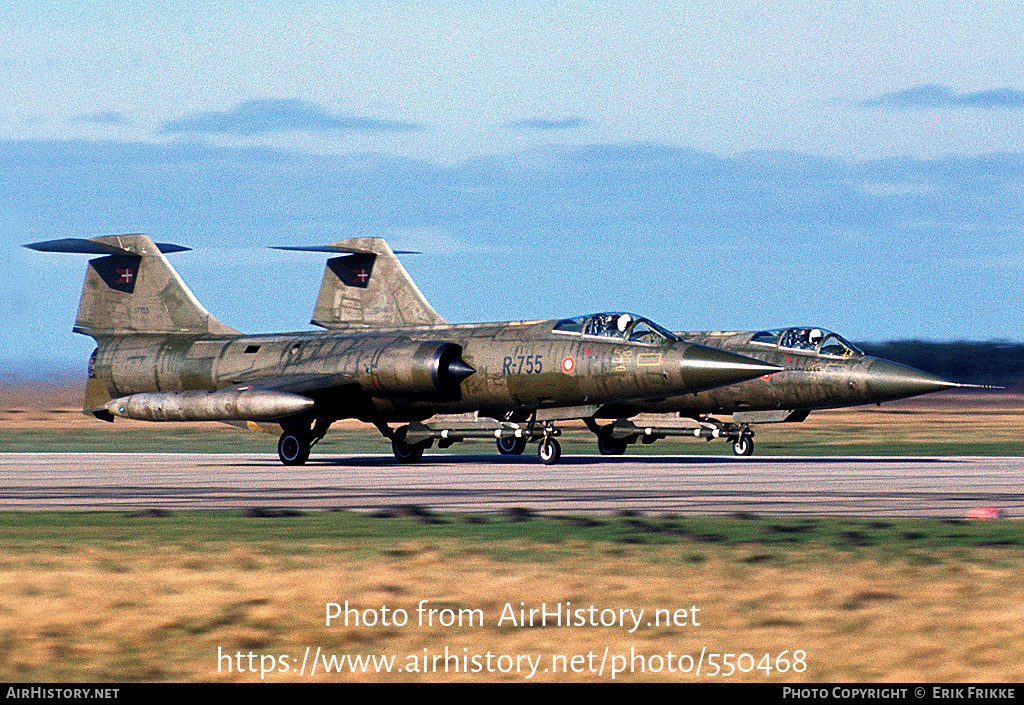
{"x": 685, "y": 485}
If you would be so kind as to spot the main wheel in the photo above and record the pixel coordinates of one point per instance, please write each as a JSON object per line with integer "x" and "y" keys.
{"x": 511, "y": 445}
{"x": 549, "y": 451}
{"x": 744, "y": 445}
{"x": 607, "y": 445}
{"x": 406, "y": 452}
{"x": 293, "y": 449}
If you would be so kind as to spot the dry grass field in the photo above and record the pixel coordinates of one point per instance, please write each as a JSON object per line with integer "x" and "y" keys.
{"x": 162, "y": 607}
{"x": 123, "y": 602}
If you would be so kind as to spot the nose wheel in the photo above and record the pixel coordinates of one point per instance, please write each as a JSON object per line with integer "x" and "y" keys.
{"x": 550, "y": 451}
{"x": 744, "y": 445}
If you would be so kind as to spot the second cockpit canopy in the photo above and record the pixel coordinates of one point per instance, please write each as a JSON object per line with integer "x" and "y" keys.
{"x": 621, "y": 326}
{"x": 812, "y": 340}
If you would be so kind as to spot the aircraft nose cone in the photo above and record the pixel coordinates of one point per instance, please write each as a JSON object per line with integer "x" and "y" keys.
{"x": 707, "y": 368}
{"x": 891, "y": 380}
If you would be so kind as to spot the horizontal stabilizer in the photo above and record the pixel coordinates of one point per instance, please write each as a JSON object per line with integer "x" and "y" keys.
{"x": 81, "y": 246}
{"x": 338, "y": 249}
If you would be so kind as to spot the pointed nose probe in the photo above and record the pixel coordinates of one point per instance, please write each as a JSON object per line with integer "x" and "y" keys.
{"x": 891, "y": 380}
{"x": 706, "y": 368}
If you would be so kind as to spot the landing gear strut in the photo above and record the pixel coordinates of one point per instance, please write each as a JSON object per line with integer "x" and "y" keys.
{"x": 744, "y": 445}
{"x": 296, "y": 441}
{"x": 549, "y": 451}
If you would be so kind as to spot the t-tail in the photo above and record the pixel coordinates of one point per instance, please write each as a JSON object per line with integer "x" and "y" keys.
{"x": 367, "y": 287}
{"x": 131, "y": 289}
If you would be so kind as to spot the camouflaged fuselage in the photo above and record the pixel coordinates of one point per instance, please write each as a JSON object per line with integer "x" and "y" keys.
{"x": 384, "y": 374}
{"x": 810, "y": 381}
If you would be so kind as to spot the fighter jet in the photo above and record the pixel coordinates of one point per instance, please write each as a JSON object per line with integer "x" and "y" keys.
{"x": 823, "y": 371}
{"x": 386, "y": 358}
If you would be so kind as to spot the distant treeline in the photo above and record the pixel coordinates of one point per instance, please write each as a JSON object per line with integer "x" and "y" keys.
{"x": 988, "y": 362}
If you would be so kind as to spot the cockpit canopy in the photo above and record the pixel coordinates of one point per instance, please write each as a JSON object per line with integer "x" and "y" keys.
{"x": 627, "y": 327}
{"x": 812, "y": 340}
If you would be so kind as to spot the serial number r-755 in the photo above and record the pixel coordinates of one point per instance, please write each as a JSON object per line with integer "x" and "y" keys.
{"x": 522, "y": 364}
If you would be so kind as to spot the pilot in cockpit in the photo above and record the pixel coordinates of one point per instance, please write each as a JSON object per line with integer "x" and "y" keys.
{"x": 609, "y": 325}
{"x": 802, "y": 338}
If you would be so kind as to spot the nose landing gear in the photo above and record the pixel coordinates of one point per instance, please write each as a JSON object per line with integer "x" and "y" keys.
{"x": 744, "y": 445}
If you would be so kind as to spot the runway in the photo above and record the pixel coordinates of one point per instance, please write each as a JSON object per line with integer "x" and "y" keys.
{"x": 684, "y": 485}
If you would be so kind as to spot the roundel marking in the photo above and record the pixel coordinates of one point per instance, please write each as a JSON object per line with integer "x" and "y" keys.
{"x": 568, "y": 364}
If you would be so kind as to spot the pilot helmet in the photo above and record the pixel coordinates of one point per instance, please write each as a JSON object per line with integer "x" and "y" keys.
{"x": 623, "y": 322}
{"x": 815, "y": 335}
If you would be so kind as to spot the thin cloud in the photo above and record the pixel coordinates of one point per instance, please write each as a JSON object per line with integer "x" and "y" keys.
{"x": 271, "y": 115}
{"x": 102, "y": 118}
{"x": 932, "y": 96}
{"x": 541, "y": 124}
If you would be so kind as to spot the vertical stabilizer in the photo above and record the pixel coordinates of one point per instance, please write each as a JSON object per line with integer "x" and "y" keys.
{"x": 368, "y": 288}
{"x": 132, "y": 288}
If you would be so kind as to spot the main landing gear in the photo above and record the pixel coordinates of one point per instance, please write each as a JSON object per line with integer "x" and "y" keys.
{"x": 409, "y": 441}
{"x": 407, "y": 445}
{"x": 510, "y": 445}
{"x": 293, "y": 448}
{"x": 609, "y": 445}
{"x": 406, "y": 452}
{"x": 614, "y": 438}
{"x": 297, "y": 440}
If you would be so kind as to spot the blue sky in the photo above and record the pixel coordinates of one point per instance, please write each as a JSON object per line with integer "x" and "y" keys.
{"x": 852, "y": 165}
